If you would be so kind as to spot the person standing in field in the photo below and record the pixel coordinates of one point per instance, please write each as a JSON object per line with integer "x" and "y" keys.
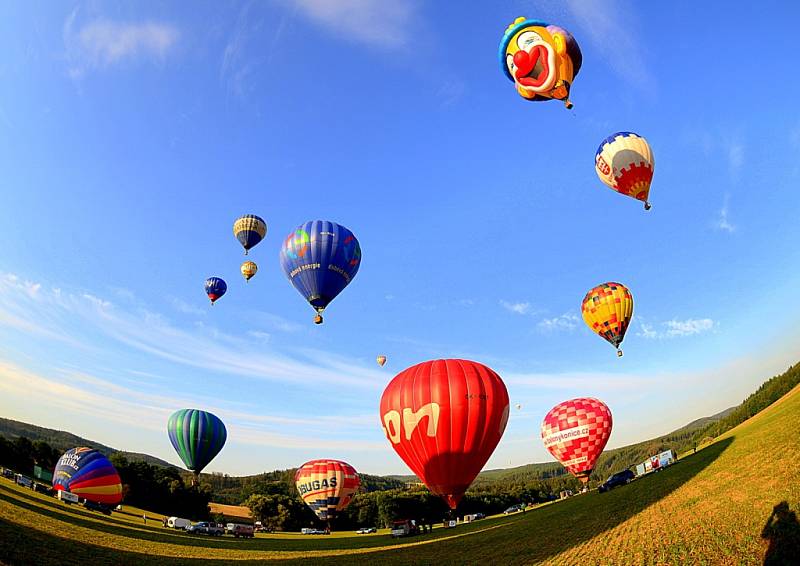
{"x": 144, "y": 518}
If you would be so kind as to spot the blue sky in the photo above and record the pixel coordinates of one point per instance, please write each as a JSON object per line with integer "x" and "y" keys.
{"x": 132, "y": 135}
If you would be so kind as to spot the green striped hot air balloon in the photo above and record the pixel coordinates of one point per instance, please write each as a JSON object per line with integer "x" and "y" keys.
{"x": 197, "y": 437}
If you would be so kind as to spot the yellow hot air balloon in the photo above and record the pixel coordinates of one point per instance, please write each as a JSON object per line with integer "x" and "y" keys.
{"x": 248, "y": 269}
{"x": 381, "y": 360}
{"x": 607, "y": 310}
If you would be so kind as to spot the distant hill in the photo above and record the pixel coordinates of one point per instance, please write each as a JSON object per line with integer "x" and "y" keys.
{"x": 63, "y": 441}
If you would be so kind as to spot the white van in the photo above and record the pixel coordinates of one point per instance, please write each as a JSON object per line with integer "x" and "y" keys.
{"x": 177, "y": 523}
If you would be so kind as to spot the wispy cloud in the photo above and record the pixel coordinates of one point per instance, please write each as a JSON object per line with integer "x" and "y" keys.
{"x": 102, "y": 43}
{"x": 241, "y": 56}
{"x": 675, "y": 328}
{"x": 522, "y": 308}
{"x": 182, "y": 306}
{"x": 566, "y": 321}
{"x": 722, "y": 221}
{"x": 385, "y": 25}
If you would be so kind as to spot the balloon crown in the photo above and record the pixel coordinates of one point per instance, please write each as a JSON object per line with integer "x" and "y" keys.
{"x": 511, "y": 30}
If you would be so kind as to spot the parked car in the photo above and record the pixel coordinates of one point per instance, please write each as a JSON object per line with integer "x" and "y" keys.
{"x": 620, "y": 478}
{"x": 205, "y": 528}
{"x": 178, "y": 523}
{"x": 366, "y": 530}
{"x": 313, "y": 532}
{"x": 239, "y": 530}
{"x": 8, "y": 474}
{"x": 92, "y": 506}
{"x": 513, "y": 509}
{"x": 24, "y": 481}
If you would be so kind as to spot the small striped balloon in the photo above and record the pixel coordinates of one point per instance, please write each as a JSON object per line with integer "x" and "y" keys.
{"x": 327, "y": 486}
{"x": 197, "y": 437}
{"x": 249, "y": 230}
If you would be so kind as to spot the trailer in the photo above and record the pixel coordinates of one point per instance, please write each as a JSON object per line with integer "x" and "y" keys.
{"x": 66, "y": 496}
{"x": 655, "y": 463}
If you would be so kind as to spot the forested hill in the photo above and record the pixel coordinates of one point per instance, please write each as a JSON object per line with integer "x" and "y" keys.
{"x": 63, "y": 441}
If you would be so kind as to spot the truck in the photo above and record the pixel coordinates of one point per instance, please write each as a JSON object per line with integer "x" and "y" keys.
{"x": 404, "y": 528}
{"x": 66, "y": 496}
{"x": 239, "y": 530}
{"x": 655, "y": 463}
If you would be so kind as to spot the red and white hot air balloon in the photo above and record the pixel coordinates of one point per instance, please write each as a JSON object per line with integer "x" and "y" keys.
{"x": 327, "y": 486}
{"x": 444, "y": 418}
{"x": 575, "y": 432}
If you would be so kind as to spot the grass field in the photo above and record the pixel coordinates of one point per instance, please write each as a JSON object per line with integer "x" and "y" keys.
{"x": 709, "y": 508}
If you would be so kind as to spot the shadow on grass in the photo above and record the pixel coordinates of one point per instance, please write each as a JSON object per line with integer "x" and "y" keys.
{"x": 528, "y": 538}
{"x": 783, "y": 533}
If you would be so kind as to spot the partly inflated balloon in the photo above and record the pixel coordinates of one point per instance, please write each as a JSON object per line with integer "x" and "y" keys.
{"x": 88, "y": 474}
{"x": 575, "y": 432}
{"x": 607, "y": 310}
{"x": 248, "y": 269}
{"x": 215, "y": 287}
{"x": 444, "y": 418}
{"x": 541, "y": 59}
{"x": 197, "y": 437}
{"x": 320, "y": 259}
{"x": 381, "y": 360}
{"x": 249, "y": 230}
{"x": 327, "y": 486}
{"x": 624, "y": 162}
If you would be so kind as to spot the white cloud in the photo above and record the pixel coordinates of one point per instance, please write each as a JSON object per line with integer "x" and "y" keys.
{"x": 675, "y": 328}
{"x": 566, "y": 321}
{"x": 259, "y": 335}
{"x": 375, "y": 22}
{"x": 102, "y": 42}
{"x": 182, "y": 306}
{"x": 722, "y": 222}
{"x": 518, "y": 308}
{"x": 735, "y": 158}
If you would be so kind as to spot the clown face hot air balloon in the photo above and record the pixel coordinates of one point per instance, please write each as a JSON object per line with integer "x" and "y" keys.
{"x": 197, "y": 437}
{"x": 444, "y": 418}
{"x": 327, "y": 486}
{"x": 624, "y": 162}
{"x": 320, "y": 259}
{"x": 248, "y": 269}
{"x": 575, "y": 432}
{"x": 607, "y": 310}
{"x": 215, "y": 287}
{"x": 381, "y": 360}
{"x": 88, "y": 474}
{"x": 541, "y": 59}
{"x": 249, "y": 230}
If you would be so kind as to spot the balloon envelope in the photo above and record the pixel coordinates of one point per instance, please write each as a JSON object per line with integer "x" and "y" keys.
{"x": 320, "y": 258}
{"x": 88, "y": 474}
{"x": 249, "y": 230}
{"x": 327, "y": 486}
{"x": 197, "y": 437}
{"x": 625, "y": 162}
{"x": 248, "y": 269}
{"x": 607, "y": 309}
{"x": 575, "y": 432}
{"x": 215, "y": 287}
{"x": 381, "y": 360}
{"x": 444, "y": 418}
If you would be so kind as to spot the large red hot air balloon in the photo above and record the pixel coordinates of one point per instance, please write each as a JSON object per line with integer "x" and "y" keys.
{"x": 575, "y": 432}
{"x": 444, "y": 418}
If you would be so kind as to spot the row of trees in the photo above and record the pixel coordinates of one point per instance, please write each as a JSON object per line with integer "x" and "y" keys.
{"x": 22, "y": 455}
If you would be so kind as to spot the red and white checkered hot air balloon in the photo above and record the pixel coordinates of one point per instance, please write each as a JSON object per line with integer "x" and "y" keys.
{"x": 575, "y": 432}
{"x": 444, "y": 418}
{"x": 327, "y": 486}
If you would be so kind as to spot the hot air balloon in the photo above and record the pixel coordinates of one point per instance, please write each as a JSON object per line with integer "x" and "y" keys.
{"x": 624, "y": 162}
{"x": 197, "y": 437}
{"x": 88, "y": 474}
{"x": 248, "y": 269}
{"x": 540, "y": 59}
{"x": 444, "y": 418}
{"x": 320, "y": 259}
{"x": 249, "y": 230}
{"x": 575, "y": 432}
{"x": 327, "y": 486}
{"x": 519, "y": 406}
{"x": 607, "y": 310}
{"x": 381, "y": 360}
{"x": 215, "y": 287}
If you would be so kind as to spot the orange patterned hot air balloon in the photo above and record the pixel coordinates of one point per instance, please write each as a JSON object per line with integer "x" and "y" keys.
{"x": 607, "y": 310}
{"x": 381, "y": 360}
{"x": 327, "y": 486}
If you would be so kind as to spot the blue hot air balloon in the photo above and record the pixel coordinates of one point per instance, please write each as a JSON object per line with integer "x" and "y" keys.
{"x": 320, "y": 258}
{"x": 197, "y": 437}
{"x": 88, "y": 474}
{"x": 215, "y": 288}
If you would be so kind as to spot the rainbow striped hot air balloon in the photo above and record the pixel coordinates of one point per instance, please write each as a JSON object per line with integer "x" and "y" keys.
{"x": 197, "y": 437}
{"x": 327, "y": 486}
{"x": 88, "y": 474}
